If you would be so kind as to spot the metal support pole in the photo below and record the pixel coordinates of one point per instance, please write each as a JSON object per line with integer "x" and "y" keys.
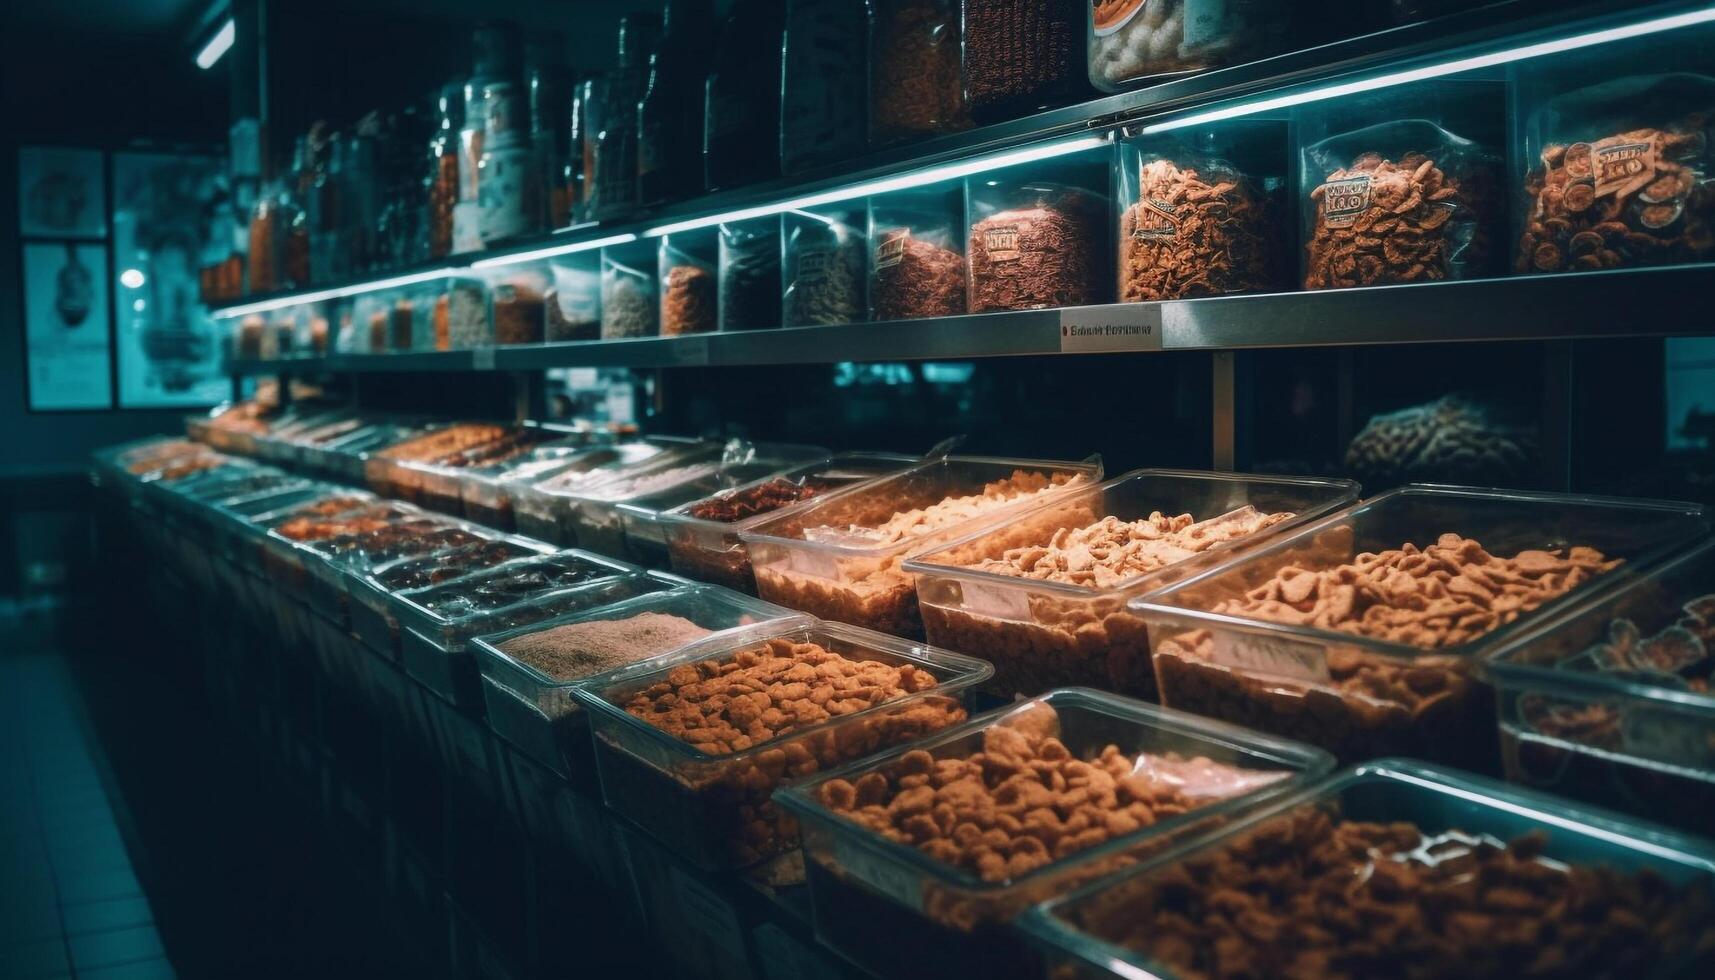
{"x": 1224, "y": 417}
{"x": 1556, "y": 436}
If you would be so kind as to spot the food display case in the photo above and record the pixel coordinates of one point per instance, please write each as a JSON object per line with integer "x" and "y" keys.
{"x": 1424, "y": 827}
{"x": 1275, "y": 639}
{"x": 702, "y": 786}
{"x": 544, "y": 503}
{"x": 1044, "y": 596}
{"x": 1609, "y": 703}
{"x": 841, "y": 557}
{"x": 703, "y": 535}
{"x": 529, "y": 673}
{"x": 947, "y": 898}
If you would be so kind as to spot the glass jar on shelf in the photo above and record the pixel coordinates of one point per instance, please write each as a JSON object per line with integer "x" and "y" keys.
{"x": 822, "y": 93}
{"x": 467, "y": 211}
{"x": 516, "y": 303}
{"x": 550, "y": 136}
{"x": 670, "y": 116}
{"x": 740, "y": 143}
{"x": 616, "y": 141}
{"x": 1021, "y": 56}
{"x": 1133, "y": 41}
{"x": 444, "y": 170}
{"x": 916, "y": 79}
{"x": 574, "y": 303}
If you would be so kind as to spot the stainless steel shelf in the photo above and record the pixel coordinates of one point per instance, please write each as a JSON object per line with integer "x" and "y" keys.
{"x": 1620, "y": 303}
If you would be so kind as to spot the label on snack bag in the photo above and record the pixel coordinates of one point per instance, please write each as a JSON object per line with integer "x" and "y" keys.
{"x": 1344, "y": 199}
{"x": 1621, "y": 168}
{"x": 1156, "y": 220}
{"x": 1001, "y": 243}
{"x": 1270, "y": 656}
{"x": 1108, "y": 16}
{"x": 813, "y": 264}
{"x": 891, "y": 251}
{"x": 895, "y": 882}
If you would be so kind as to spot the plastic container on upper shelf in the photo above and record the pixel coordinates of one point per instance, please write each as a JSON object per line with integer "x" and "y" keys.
{"x": 700, "y": 779}
{"x": 1020, "y": 56}
{"x": 1388, "y": 196}
{"x": 687, "y": 268}
{"x": 740, "y": 137}
{"x": 1272, "y": 639}
{"x": 373, "y": 619}
{"x": 1135, "y": 41}
{"x": 528, "y": 673}
{"x": 461, "y": 319}
{"x": 1043, "y": 596}
{"x": 823, "y": 83}
{"x": 824, "y": 266}
{"x": 750, "y": 274}
{"x": 616, "y": 516}
{"x": 629, "y": 302}
{"x": 1436, "y": 829}
{"x": 411, "y": 319}
{"x": 702, "y": 535}
{"x": 939, "y": 907}
{"x": 917, "y": 260}
{"x": 437, "y": 622}
{"x": 1616, "y": 172}
{"x": 541, "y": 499}
{"x": 1040, "y": 235}
{"x": 1610, "y": 701}
{"x": 916, "y": 80}
{"x": 1203, "y": 212}
{"x": 516, "y": 305}
{"x": 574, "y": 305}
{"x": 840, "y": 557}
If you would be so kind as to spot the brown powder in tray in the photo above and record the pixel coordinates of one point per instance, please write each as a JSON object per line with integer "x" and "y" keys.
{"x": 578, "y": 650}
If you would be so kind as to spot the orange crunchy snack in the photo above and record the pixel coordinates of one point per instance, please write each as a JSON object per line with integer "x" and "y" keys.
{"x": 1432, "y": 598}
{"x": 876, "y": 592}
{"x": 767, "y": 691}
{"x": 1021, "y": 803}
{"x": 757, "y": 698}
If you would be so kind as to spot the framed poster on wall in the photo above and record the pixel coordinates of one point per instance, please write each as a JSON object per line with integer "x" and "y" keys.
{"x": 67, "y": 332}
{"x": 165, "y": 212}
{"x": 61, "y": 193}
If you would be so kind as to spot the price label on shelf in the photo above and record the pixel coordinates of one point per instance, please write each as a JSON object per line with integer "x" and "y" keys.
{"x": 1104, "y": 329}
{"x": 482, "y": 359}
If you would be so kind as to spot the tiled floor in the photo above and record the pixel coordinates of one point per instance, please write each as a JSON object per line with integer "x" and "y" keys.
{"x": 70, "y": 901}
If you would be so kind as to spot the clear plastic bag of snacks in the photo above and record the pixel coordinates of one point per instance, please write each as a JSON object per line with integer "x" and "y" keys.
{"x": 1203, "y": 212}
{"x": 917, "y": 262}
{"x": 1618, "y": 176}
{"x": 1397, "y": 202}
{"x": 628, "y": 300}
{"x": 825, "y": 265}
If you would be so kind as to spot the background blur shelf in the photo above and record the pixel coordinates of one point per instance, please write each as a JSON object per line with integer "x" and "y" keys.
{"x": 1639, "y": 302}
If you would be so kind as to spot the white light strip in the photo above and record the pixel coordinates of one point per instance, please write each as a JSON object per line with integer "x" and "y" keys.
{"x": 218, "y": 45}
{"x": 299, "y": 299}
{"x": 920, "y": 178}
{"x": 1573, "y": 43}
{"x": 548, "y": 253}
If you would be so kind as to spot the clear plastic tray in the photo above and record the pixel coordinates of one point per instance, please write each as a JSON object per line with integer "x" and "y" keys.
{"x": 590, "y": 514}
{"x": 1075, "y": 930}
{"x": 1613, "y": 716}
{"x": 806, "y": 560}
{"x": 436, "y": 648}
{"x": 373, "y": 616}
{"x": 711, "y": 551}
{"x": 620, "y": 520}
{"x": 1042, "y": 634}
{"x": 1304, "y": 682}
{"x": 390, "y": 471}
{"x": 540, "y": 506}
{"x": 715, "y": 809}
{"x": 536, "y": 711}
{"x": 893, "y": 909}
{"x": 486, "y": 492}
